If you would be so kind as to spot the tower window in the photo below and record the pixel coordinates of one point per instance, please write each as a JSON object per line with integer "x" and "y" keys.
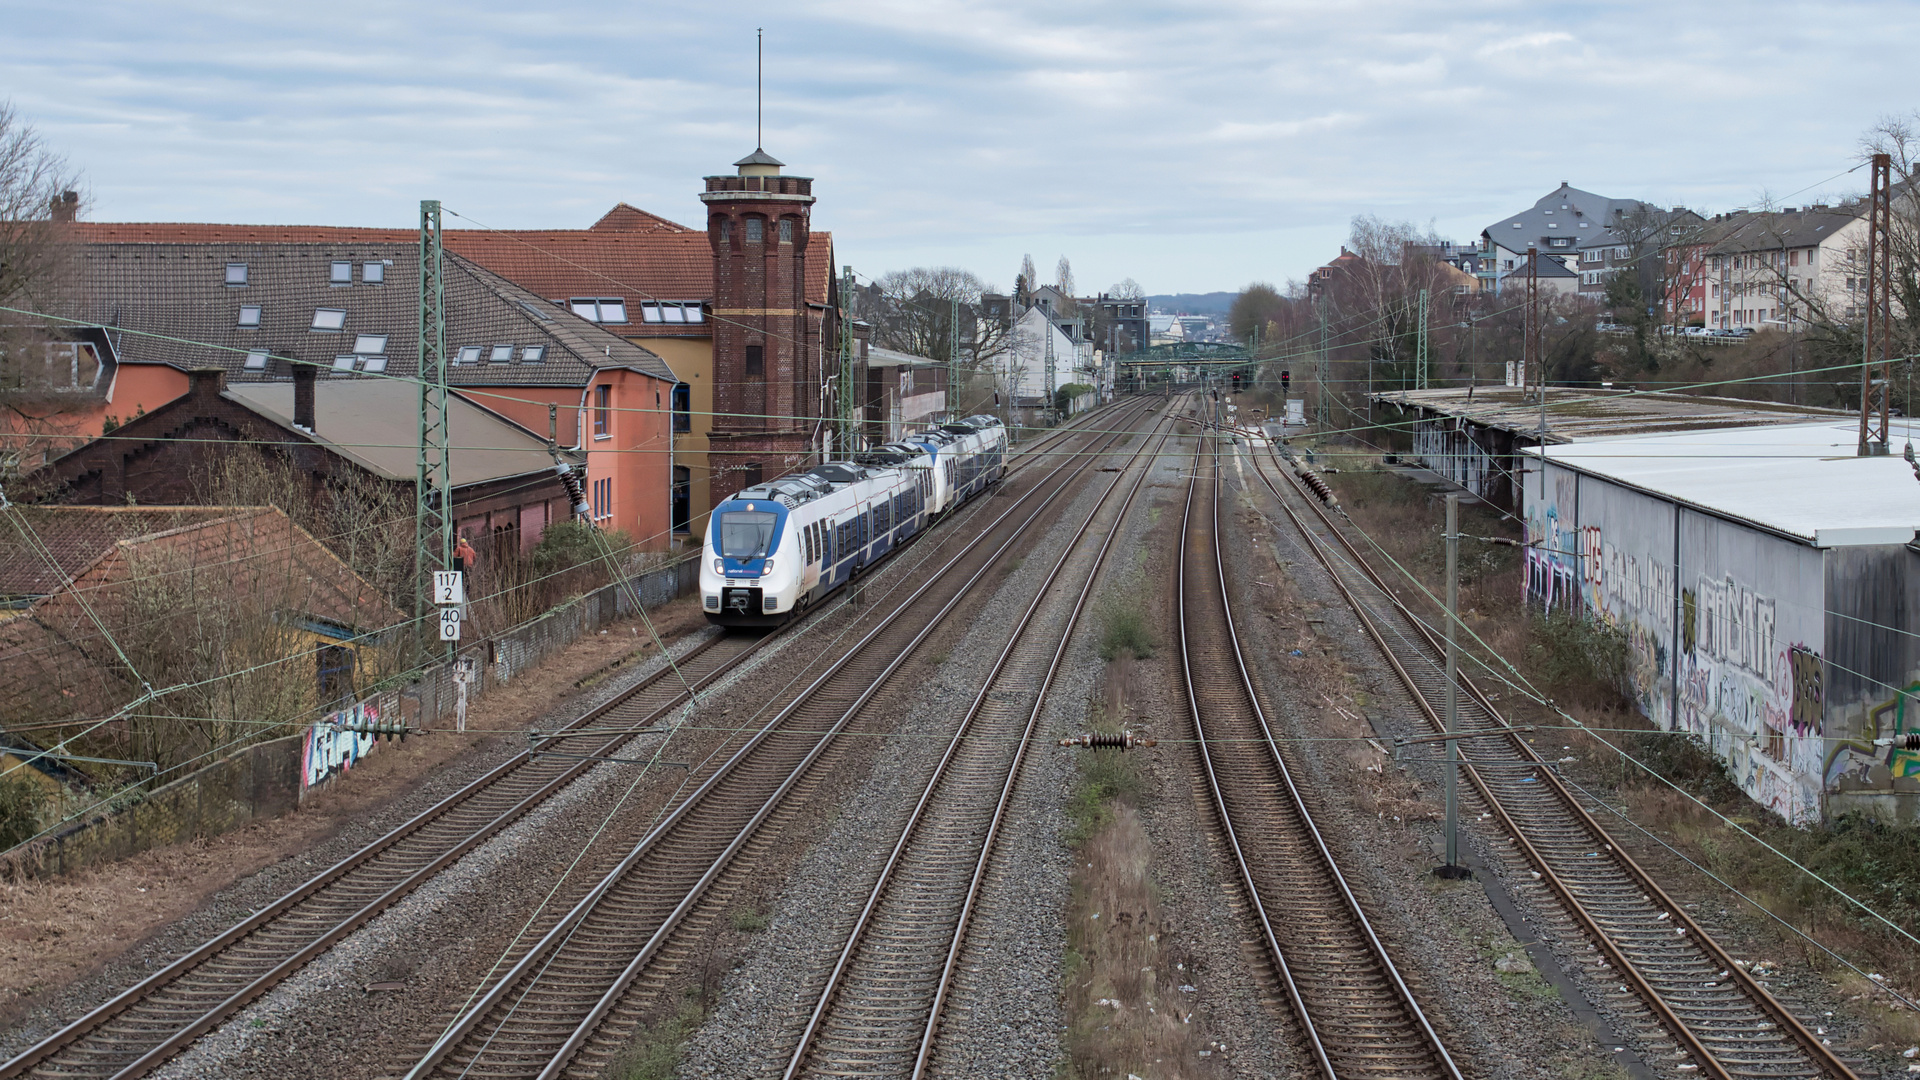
{"x": 756, "y": 362}
{"x": 726, "y": 230}
{"x": 786, "y": 230}
{"x": 756, "y": 230}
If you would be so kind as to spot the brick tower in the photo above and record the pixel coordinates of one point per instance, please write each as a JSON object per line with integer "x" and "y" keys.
{"x": 766, "y": 355}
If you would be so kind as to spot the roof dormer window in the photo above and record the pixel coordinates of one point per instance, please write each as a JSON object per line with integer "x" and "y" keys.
{"x": 600, "y": 309}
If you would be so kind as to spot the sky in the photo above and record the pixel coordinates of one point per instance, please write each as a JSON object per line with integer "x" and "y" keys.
{"x": 1191, "y": 147}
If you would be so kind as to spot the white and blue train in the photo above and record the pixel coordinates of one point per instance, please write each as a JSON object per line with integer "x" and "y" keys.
{"x": 776, "y": 548}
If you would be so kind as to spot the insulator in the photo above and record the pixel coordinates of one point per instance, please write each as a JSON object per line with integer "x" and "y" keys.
{"x": 574, "y": 493}
{"x": 1909, "y": 741}
{"x": 1110, "y": 740}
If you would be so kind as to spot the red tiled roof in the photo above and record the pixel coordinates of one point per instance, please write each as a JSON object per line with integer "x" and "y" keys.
{"x": 76, "y": 537}
{"x": 628, "y": 252}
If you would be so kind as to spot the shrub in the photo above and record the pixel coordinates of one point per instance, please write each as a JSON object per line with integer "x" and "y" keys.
{"x": 1124, "y": 628}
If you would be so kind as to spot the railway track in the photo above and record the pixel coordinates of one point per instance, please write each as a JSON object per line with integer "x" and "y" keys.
{"x": 1357, "y": 1015}
{"x": 137, "y": 1029}
{"x": 1704, "y": 1014}
{"x": 568, "y": 1001}
{"x": 878, "y": 1012}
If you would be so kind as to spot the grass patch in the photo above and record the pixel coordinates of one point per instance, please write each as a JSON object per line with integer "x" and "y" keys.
{"x": 749, "y": 920}
{"x": 1105, "y": 775}
{"x": 656, "y": 1053}
{"x": 1124, "y": 628}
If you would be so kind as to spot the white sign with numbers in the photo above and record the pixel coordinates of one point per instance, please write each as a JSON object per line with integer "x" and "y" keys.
{"x": 449, "y": 587}
{"x": 450, "y": 624}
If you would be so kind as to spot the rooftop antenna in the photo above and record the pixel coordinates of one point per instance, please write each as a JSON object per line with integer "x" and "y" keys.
{"x": 759, "y": 82}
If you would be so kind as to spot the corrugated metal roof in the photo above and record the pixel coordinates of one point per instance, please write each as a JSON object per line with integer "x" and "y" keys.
{"x": 1575, "y": 414}
{"x": 1801, "y": 480}
{"x": 375, "y": 424}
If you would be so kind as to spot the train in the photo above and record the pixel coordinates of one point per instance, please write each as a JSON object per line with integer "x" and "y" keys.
{"x": 777, "y": 548}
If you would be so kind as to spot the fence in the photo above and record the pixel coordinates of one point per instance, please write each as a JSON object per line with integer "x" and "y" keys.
{"x": 271, "y": 778}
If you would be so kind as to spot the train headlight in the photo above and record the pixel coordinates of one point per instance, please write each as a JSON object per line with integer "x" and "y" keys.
{"x": 767, "y": 567}
{"x": 720, "y": 566}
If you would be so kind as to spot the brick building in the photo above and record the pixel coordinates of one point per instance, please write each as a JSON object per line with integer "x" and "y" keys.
{"x": 334, "y": 433}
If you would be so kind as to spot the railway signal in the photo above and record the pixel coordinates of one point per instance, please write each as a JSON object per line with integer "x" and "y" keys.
{"x": 1286, "y": 381}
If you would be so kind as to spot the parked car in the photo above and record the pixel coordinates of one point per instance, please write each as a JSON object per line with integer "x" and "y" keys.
{"x": 1740, "y": 331}
{"x": 1697, "y": 331}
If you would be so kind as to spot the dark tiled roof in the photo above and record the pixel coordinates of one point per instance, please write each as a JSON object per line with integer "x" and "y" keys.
{"x": 1769, "y": 231}
{"x": 175, "y": 296}
{"x": 75, "y": 537}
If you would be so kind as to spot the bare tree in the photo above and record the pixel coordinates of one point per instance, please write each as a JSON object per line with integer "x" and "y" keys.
{"x": 33, "y": 182}
{"x": 1028, "y": 276}
{"x": 1063, "y": 277}
{"x": 1128, "y": 289}
{"x": 39, "y": 363}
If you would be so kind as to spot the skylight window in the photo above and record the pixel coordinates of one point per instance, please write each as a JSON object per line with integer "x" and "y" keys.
{"x": 1516, "y": 224}
{"x": 236, "y": 273}
{"x": 345, "y": 363}
{"x": 501, "y": 354}
{"x": 342, "y": 273}
{"x": 249, "y": 314}
{"x": 368, "y": 344}
{"x": 600, "y": 309}
{"x": 256, "y": 360}
{"x": 374, "y": 364}
{"x": 469, "y": 354}
{"x": 536, "y": 311}
{"x": 373, "y": 273}
{"x": 328, "y": 318}
{"x": 533, "y": 354}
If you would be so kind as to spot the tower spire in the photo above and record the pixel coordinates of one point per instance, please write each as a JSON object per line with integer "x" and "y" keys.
{"x": 759, "y": 83}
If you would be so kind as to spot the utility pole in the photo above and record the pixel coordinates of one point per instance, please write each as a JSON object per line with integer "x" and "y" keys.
{"x": 1420, "y": 379}
{"x": 953, "y": 360}
{"x": 1876, "y": 359}
{"x": 1453, "y": 868}
{"x": 1320, "y": 369}
{"x": 1050, "y": 332}
{"x": 1530, "y": 338}
{"x": 844, "y": 407}
{"x": 432, "y": 488}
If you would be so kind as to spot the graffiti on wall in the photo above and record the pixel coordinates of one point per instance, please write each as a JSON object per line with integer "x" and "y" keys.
{"x": 332, "y": 748}
{"x": 1706, "y": 656}
{"x": 1856, "y": 763}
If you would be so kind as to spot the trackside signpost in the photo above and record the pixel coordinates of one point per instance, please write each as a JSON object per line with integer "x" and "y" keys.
{"x": 450, "y": 592}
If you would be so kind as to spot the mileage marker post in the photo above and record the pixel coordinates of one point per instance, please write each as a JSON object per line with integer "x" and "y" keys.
{"x": 450, "y": 593}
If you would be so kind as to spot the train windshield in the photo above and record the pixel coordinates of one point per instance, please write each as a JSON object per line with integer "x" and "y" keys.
{"x": 746, "y": 534}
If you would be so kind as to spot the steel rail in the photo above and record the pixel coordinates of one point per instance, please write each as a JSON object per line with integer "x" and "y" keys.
{"x": 234, "y": 994}
{"x": 1295, "y": 806}
{"x": 942, "y": 781}
{"x": 1821, "y": 1057}
{"x": 523, "y": 977}
{"x": 339, "y": 874}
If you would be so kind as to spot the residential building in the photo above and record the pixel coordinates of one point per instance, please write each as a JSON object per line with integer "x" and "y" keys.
{"x": 1561, "y": 225}
{"x": 1125, "y": 320}
{"x": 905, "y": 393}
{"x": 258, "y": 303}
{"x": 1767, "y": 269}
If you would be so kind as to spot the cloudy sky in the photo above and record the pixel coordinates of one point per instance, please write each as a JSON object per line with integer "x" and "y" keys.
{"x": 1191, "y": 146}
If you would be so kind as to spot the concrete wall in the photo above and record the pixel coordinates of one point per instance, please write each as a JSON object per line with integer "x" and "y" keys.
{"x": 1718, "y": 616}
{"x": 268, "y": 779}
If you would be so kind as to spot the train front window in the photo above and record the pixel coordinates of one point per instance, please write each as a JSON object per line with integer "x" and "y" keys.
{"x": 746, "y": 534}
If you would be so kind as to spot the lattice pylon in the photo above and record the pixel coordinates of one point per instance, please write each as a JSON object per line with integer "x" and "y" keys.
{"x": 433, "y": 510}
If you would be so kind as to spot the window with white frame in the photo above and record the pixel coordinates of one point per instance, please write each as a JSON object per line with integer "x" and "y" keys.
{"x": 600, "y": 309}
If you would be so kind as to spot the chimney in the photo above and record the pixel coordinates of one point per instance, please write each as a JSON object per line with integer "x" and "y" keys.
{"x": 205, "y": 384}
{"x": 303, "y": 397}
{"x": 66, "y": 207}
